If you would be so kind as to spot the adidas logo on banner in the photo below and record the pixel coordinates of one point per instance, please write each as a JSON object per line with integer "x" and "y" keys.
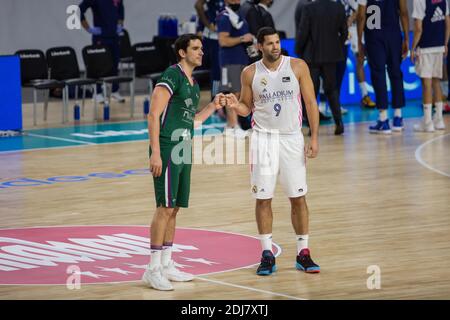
{"x": 438, "y": 15}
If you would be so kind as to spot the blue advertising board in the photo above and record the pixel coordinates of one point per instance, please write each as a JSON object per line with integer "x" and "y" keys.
{"x": 10, "y": 93}
{"x": 350, "y": 91}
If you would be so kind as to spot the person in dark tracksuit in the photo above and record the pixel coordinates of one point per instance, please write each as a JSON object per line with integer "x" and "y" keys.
{"x": 107, "y": 25}
{"x": 385, "y": 47}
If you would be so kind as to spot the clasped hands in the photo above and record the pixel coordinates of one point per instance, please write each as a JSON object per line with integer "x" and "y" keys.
{"x": 222, "y": 100}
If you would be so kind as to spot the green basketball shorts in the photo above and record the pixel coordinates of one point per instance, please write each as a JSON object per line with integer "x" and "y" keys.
{"x": 172, "y": 187}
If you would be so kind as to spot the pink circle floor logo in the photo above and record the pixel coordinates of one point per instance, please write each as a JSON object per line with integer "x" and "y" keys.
{"x": 105, "y": 254}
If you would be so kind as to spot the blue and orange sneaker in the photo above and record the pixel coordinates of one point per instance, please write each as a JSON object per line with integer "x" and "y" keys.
{"x": 267, "y": 265}
{"x": 305, "y": 263}
{"x": 381, "y": 127}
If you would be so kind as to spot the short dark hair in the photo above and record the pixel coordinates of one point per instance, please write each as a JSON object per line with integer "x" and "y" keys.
{"x": 182, "y": 43}
{"x": 265, "y": 31}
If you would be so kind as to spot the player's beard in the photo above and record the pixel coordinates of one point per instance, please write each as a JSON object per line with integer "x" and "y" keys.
{"x": 272, "y": 57}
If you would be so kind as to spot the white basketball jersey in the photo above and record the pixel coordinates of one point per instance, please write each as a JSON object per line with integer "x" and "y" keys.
{"x": 276, "y": 99}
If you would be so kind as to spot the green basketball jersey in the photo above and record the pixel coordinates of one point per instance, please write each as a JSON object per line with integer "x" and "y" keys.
{"x": 177, "y": 120}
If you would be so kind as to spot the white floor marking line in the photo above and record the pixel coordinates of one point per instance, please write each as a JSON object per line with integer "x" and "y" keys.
{"x": 56, "y": 138}
{"x": 422, "y": 162}
{"x": 249, "y": 288}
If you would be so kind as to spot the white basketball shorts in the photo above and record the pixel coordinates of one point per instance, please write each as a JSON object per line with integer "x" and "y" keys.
{"x": 274, "y": 155}
{"x": 429, "y": 65}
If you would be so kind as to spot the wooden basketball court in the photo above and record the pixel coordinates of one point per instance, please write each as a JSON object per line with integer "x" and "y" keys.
{"x": 376, "y": 203}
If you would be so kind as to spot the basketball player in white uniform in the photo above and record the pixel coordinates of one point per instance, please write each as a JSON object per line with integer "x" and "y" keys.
{"x": 271, "y": 87}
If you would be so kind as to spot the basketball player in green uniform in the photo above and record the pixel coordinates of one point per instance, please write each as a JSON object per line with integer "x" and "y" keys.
{"x": 171, "y": 123}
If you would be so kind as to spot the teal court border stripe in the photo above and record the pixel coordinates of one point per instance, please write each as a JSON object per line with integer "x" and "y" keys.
{"x": 134, "y": 131}
{"x": 84, "y": 143}
{"x": 23, "y": 143}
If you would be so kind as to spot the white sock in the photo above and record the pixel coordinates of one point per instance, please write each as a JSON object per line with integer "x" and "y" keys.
{"x": 439, "y": 106}
{"x": 155, "y": 258}
{"x": 383, "y": 115}
{"x": 427, "y": 112}
{"x": 266, "y": 241}
{"x": 444, "y": 86}
{"x": 166, "y": 254}
{"x": 398, "y": 112}
{"x": 363, "y": 88}
{"x": 302, "y": 242}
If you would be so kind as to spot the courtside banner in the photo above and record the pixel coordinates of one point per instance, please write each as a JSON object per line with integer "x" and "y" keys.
{"x": 10, "y": 94}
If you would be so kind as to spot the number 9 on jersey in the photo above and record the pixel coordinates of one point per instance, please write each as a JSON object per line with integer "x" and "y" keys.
{"x": 277, "y": 109}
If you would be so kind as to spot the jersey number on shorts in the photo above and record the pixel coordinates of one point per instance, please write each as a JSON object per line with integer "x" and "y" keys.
{"x": 277, "y": 109}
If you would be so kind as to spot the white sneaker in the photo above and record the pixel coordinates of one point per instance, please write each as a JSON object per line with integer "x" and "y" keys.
{"x": 424, "y": 127}
{"x": 173, "y": 274}
{"x": 117, "y": 97}
{"x": 239, "y": 133}
{"x": 155, "y": 279}
{"x": 439, "y": 123}
{"x": 99, "y": 98}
